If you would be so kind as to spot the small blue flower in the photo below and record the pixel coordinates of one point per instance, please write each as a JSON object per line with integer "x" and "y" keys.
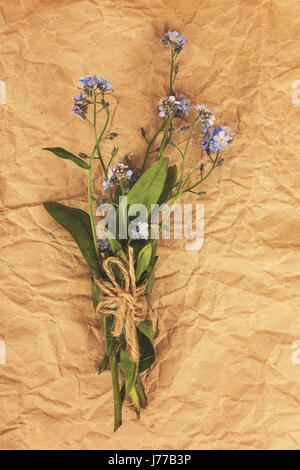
{"x": 204, "y": 144}
{"x": 135, "y": 177}
{"x": 140, "y": 231}
{"x": 110, "y": 173}
{"x": 80, "y": 106}
{"x": 205, "y": 116}
{"x": 120, "y": 175}
{"x": 105, "y": 184}
{"x": 176, "y": 106}
{"x": 217, "y": 138}
{"x": 91, "y": 83}
{"x": 214, "y": 146}
{"x": 220, "y": 163}
{"x": 104, "y": 85}
{"x": 222, "y": 136}
{"x": 104, "y": 244}
{"x": 173, "y": 39}
{"x": 80, "y": 97}
{"x": 86, "y": 81}
{"x": 184, "y": 106}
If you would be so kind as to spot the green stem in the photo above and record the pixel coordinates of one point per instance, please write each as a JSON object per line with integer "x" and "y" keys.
{"x": 90, "y": 172}
{"x": 151, "y": 143}
{"x": 177, "y": 148}
{"x": 99, "y": 140}
{"x": 181, "y": 190}
{"x": 171, "y": 74}
{"x": 140, "y": 391}
{"x": 185, "y": 154}
{"x": 116, "y": 392}
{"x": 207, "y": 175}
{"x": 91, "y": 207}
{"x": 165, "y": 138}
{"x": 90, "y": 200}
{"x": 176, "y": 197}
{"x": 136, "y": 401}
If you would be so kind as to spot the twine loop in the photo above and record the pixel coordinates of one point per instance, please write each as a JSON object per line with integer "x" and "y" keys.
{"x": 127, "y": 303}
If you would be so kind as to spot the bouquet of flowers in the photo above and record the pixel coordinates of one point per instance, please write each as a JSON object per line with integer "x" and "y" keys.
{"x": 120, "y": 250}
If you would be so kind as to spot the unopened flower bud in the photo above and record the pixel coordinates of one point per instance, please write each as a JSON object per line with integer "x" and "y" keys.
{"x": 114, "y": 151}
{"x": 112, "y": 135}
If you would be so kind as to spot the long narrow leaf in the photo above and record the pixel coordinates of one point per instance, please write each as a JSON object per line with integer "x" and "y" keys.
{"x": 169, "y": 184}
{"x": 62, "y": 153}
{"x": 143, "y": 260}
{"x": 145, "y": 340}
{"x": 148, "y": 188}
{"x": 77, "y": 223}
{"x": 129, "y": 369}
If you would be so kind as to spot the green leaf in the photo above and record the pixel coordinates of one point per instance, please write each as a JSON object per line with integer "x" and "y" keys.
{"x": 122, "y": 392}
{"x": 111, "y": 343}
{"x": 115, "y": 245}
{"x": 129, "y": 369}
{"x": 150, "y": 284}
{"x": 148, "y": 188}
{"x": 135, "y": 400}
{"x": 103, "y": 364}
{"x": 62, "y": 153}
{"x": 143, "y": 260}
{"x": 169, "y": 184}
{"x": 150, "y": 270}
{"x": 95, "y": 294}
{"x": 141, "y": 392}
{"x": 201, "y": 193}
{"x": 146, "y": 347}
{"x": 77, "y": 223}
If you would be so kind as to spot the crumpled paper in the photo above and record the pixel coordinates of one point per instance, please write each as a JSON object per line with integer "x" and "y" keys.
{"x": 227, "y": 374}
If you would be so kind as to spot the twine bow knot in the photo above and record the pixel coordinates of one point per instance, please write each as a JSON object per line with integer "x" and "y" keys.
{"x": 127, "y": 303}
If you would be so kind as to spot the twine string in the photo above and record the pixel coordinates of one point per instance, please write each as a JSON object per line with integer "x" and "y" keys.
{"x": 127, "y": 303}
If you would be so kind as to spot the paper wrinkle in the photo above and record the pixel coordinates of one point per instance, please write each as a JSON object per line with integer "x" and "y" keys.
{"x": 227, "y": 373}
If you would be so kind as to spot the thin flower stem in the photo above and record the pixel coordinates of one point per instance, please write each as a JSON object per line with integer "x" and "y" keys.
{"x": 213, "y": 166}
{"x": 90, "y": 198}
{"x": 91, "y": 210}
{"x": 188, "y": 177}
{"x": 90, "y": 171}
{"x": 164, "y": 141}
{"x": 185, "y": 154}
{"x": 99, "y": 140}
{"x": 171, "y": 73}
{"x": 166, "y": 124}
{"x": 172, "y": 79}
{"x": 176, "y": 198}
{"x": 177, "y": 148}
{"x": 151, "y": 143}
{"x": 110, "y": 160}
